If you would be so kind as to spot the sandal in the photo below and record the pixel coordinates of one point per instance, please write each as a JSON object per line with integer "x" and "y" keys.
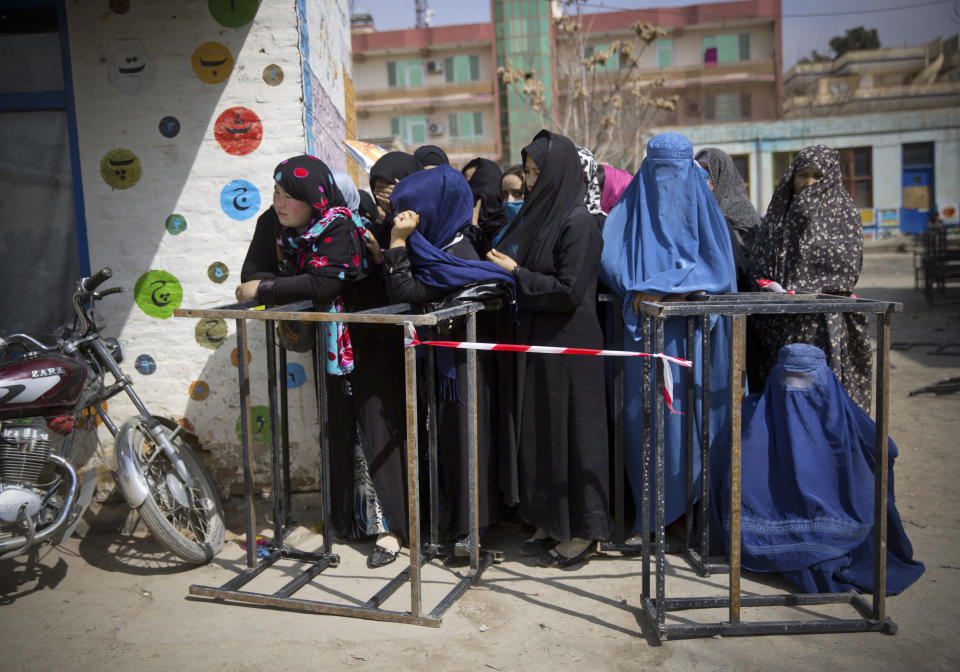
{"x": 380, "y": 557}
{"x": 553, "y": 558}
{"x": 534, "y": 546}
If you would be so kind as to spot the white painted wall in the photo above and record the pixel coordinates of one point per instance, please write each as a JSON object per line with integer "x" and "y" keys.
{"x": 185, "y": 174}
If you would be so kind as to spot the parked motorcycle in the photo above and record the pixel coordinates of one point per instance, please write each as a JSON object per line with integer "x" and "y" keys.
{"x": 49, "y": 398}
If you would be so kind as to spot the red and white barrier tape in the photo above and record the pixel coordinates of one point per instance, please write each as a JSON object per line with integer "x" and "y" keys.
{"x": 410, "y": 340}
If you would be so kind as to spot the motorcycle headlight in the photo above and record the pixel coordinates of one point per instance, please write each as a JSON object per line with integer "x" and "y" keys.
{"x": 113, "y": 345}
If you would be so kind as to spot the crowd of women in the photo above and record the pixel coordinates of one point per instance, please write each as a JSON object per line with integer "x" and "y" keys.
{"x": 542, "y": 236}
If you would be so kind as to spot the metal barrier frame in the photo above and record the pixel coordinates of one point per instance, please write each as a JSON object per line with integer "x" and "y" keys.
{"x": 654, "y": 607}
{"x": 317, "y": 562}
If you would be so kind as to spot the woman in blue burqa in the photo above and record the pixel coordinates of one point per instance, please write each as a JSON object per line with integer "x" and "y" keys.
{"x": 664, "y": 240}
{"x": 430, "y": 256}
{"x": 807, "y": 461}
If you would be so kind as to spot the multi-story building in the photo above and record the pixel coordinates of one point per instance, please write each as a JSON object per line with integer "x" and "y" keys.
{"x": 428, "y": 86}
{"x": 876, "y": 80}
{"x": 440, "y": 85}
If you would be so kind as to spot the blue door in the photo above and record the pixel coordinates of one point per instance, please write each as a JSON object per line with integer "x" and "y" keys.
{"x": 918, "y": 195}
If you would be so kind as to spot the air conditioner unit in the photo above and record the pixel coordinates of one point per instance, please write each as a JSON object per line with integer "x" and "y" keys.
{"x": 434, "y": 67}
{"x": 435, "y": 128}
{"x": 693, "y": 108}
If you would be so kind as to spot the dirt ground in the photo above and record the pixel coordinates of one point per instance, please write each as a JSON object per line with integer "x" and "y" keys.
{"x": 114, "y": 600}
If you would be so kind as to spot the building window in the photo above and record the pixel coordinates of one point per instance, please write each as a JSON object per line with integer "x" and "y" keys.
{"x": 856, "y": 166}
{"x": 742, "y": 164}
{"x": 613, "y": 63}
{"x": 726, "y": 49}
{"x": 918, "y": 154}
{"x": 781, "y": 164}
{"x": 461, "y": 68}
{"x": 412, "y": 130}
{"x": 405, "y": 73}
{"x": 727, "y": 107}
{"x": 465, "y": 125}
{"x": 664, "y": 53}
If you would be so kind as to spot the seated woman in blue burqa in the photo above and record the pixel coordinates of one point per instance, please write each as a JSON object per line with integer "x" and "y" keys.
{"x": 665, "y": 240}
{"x": 808, "y": 485}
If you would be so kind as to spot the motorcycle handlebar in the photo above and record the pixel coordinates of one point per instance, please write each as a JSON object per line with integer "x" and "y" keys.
{"x": 112, "y": 290}
{"x": 97, "y": 279}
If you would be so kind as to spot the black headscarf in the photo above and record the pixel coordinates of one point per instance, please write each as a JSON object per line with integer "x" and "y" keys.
{"x": 731, "y": 194}
{"x": 394, "y": 166}
{"x": 430, "y": 155}
{"x": 485, "y": 185}
{"x": 558, "y": 190}
{"x": 332, "y": 244}
{"x": 368, "y": 206}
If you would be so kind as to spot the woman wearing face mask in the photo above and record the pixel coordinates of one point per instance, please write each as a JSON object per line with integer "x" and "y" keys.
{"x": 811, "y": 241}
{"x": 511, "y": 190}
{"x": 553, "y": 412}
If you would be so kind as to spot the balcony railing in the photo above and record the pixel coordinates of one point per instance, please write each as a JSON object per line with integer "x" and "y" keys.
{"x": 448, "y": 89}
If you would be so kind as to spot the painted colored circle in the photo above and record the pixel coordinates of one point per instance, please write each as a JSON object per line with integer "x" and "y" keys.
{"x": 259, "y": 424}
{"x": 238, "y": 130}
{"x": 296, "y": 375}
{"x": 273, "y": 75}
{"x": 120, "y": 168}
{"x": 217, "y": 272}
{"x": 169, "y": 127}
{"x": 145, "y": 364}
{"x": 132, "y": 68}
{"x": 233, "y": 13}
{"x": 199, "y": 390}
{"x": 176, "y": 224}
{"x": 211, "y": 332}
{"x": 233, "y": 357}
{"x": 120, "y": 6}
{"x": 240, "y": 200}
{"x": 158, "y": 294}
{"x": 212, "y": 62}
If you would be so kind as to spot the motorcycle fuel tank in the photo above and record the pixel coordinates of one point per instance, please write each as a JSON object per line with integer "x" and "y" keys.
{"x": 44, "y": 385}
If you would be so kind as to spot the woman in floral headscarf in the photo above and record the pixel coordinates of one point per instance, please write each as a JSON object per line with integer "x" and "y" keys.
{"x": 811, "y": 241}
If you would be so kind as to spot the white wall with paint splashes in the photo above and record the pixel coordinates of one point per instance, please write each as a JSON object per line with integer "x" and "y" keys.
{"x": 153, "y": 78}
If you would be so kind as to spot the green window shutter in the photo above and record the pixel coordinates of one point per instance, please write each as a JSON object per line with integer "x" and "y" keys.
{"x": 452, "y": 125}
{"x": 474, "y": 68}
{"x": 664, "y": 53}
{"x": 728, "y": 48}
{"x": 462, "y": 69}
{"x": 391, "y": 73}
{"x": 415, "y": 73}
{"x": 448, "y": 69}
{"x": 478, "y": 124}
{"x": 588, "y": 51}
{"x": 744, "y": 46}
{"x": 417, "y": 129}
{"x": 466, "y": 125}
{"x": 395, "y": 127}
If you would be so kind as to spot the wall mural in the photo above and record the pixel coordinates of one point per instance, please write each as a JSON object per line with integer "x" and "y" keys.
{"x": 132, "y": 69}
{"x": 233, "y": 13}
{"x": 175, "y": 224}
{"x": 158, "y": 294}
{"x": 238, "y": 130}
{"x": 212, "y": 62}
{"x": 169, "y": 127}
{"x": 240, "y": 200}
{"x": 145, "y": 364}
{"x": 199, "y": 390}
{"x": 211, "y": 332}
{"x": 120, "y": 168}
{"x": 217, "y": 272}
{"x": 273, "y": 75}
{"x": 296, "y": 375}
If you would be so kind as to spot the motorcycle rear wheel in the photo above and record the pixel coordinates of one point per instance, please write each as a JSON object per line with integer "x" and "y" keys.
{"x": 187, "y": 520}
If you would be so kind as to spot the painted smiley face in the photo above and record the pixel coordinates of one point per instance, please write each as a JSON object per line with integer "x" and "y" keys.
{"x": 132, "y": 69}
{"x": 212, "y": 62}
{"x": 240, "y": 200}
{"x": 238, "y": 130}
{"x": 120, "y": 168}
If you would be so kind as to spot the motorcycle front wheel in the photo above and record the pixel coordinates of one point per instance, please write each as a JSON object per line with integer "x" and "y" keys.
{"x": 186, "y": 518}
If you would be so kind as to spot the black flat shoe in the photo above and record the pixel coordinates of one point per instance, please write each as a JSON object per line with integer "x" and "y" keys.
{"x": 380, "y": 557}
{"x": 536, "y": 546}
{"x": 554, "y": 558}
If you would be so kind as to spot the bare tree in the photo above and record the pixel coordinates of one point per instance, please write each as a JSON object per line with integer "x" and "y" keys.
{"x": 602, "y": 107}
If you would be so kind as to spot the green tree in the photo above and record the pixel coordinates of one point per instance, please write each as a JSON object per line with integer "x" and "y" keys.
{"x": 854, "y": 39}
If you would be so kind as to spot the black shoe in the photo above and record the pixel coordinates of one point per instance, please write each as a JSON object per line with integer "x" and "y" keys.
{"x": 380, "y": 557}
{"x": 554, "y": 558}
{"x": 536, "y": 546}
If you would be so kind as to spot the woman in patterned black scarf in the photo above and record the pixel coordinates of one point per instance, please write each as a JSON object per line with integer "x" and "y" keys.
{"x": 811, "y": 241}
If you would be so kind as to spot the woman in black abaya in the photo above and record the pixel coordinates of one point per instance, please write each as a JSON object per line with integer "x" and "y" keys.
{"x": 553, "y": 413}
